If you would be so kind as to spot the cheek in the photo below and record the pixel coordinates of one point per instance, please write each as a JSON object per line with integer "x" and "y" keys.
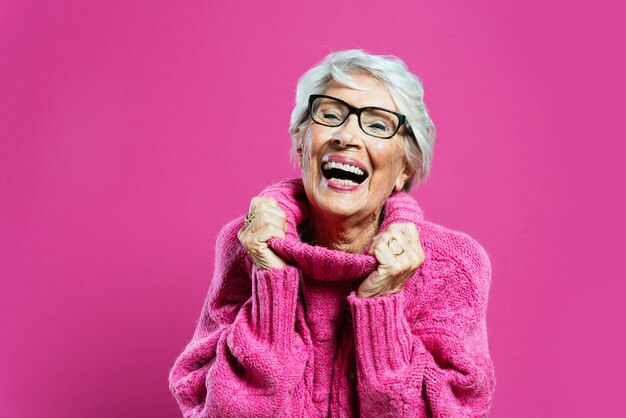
{"x": 386, "y": 156}
{"x": 312, "y": 145}
{"x": 308, "y": 161}
{"x": 389, "y": 163}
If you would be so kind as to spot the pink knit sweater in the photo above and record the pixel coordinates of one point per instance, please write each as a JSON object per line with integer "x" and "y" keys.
{"x": 297, "y": 342}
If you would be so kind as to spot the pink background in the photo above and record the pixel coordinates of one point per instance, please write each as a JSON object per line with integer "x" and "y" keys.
{"x": 132, "y": 131}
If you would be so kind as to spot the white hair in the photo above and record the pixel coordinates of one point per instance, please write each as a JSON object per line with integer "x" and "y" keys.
{"x": 405, "y": 89}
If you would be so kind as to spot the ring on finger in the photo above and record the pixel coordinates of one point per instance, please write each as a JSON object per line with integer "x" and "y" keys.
{"x": 393, "y": 252}
{"x": 248, "y": 219}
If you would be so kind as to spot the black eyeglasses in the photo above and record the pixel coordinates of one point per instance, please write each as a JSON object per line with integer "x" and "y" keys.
{"x": 374, "y": 121}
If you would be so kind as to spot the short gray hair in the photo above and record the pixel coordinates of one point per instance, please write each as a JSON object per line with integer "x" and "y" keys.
{"x": 405, "y": 89}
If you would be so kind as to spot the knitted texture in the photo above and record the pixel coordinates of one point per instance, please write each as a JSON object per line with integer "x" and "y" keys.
{"x": 298, "y": 342}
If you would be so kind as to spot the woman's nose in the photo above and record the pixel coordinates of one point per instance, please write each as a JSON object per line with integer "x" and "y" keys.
{"x": 349, "y": 133}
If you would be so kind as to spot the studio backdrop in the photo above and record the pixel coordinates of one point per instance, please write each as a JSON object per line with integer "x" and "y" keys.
{"x": 131, "y": 132}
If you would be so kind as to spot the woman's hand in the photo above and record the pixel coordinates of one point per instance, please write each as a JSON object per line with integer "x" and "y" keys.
{"x": 399, "y": 253}
{"x": 268, "y": 221}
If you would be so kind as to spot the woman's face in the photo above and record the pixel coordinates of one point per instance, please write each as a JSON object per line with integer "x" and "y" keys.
{"x": 325, "y": 151}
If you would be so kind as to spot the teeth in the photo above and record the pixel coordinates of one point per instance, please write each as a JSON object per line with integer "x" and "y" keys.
{"x": 340, "y": 166}
{"x": 344, "y": 182}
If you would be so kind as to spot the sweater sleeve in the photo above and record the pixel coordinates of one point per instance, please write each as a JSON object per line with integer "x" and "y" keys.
{"x": 434, "y": 362}
{"x": 246, "y": 357}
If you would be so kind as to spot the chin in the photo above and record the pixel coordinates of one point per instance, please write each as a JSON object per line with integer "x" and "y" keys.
{"x": 343, "y": 204}
{"x": 340, "y": 210}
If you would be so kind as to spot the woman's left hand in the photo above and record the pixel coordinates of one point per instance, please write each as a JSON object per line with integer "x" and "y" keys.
{"x": 399, "y": 253}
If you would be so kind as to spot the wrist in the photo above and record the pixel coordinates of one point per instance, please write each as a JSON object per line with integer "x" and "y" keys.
{"x": 265, "y": 265}
{"x": 267, "y": 260}
{"x": 365, "y": 294}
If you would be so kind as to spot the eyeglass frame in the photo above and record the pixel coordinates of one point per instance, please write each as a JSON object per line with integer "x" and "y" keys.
{"x": 357, "y": 111}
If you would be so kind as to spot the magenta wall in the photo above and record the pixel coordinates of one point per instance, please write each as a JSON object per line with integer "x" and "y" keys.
{"x": 131, "y": 131}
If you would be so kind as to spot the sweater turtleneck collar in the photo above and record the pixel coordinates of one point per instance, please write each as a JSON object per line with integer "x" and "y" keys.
{"x": 323, "y": 263}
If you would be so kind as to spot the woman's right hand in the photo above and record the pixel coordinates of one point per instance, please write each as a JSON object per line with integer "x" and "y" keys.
{"x": 269, "y": 221}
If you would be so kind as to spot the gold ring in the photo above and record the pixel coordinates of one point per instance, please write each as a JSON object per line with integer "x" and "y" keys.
{"x": 395, "y": 254}
{"x": 248, "y": 219}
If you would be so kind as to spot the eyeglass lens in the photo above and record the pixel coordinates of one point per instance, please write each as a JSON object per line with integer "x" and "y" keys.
{"x": 374, "y": 122}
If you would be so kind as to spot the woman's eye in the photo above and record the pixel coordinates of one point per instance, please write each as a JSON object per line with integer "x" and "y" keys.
{"x": 331, "y": 117}
{"x": 378, "y": 127}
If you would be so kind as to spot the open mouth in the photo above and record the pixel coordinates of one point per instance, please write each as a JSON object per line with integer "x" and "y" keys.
{"x": 344, "y": 174}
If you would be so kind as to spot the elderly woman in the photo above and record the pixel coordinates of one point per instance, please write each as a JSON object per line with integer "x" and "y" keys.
{"x": 334, "y": 296}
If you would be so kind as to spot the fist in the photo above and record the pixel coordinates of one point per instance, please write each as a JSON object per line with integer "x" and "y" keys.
{"x": 399, "y": 253}
{"x": 269, "y": 221}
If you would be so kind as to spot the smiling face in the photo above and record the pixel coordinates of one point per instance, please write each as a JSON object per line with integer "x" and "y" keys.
{"x": 347, "y": 173}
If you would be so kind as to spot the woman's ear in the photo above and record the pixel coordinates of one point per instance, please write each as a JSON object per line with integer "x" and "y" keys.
{"x": 404, "y": 176}
{"x": 299, "y": 152}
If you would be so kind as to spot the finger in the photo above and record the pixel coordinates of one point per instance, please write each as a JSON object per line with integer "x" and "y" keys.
{"x": 263, "y": 219}
{"x": 397, "y": 243}
{"x": 393, "y": 239}
{"x": 378, "y": 240}
{"x": 381, "y": 241}
{"x": 406, "y": 228}
{"x": 383, "y": 254}
{"x": 390, "y": 232}
{"x": 415, "y": 249}
{"x": 409, "y": 238}
{"x": 267, "y": 213}
{"x": 245, "y": 229}
{"x": 277, "y": 213}
{"x": 241, "y": 234}
{"x": 382, "y": 237}
{"x": 410, "y": 231}
{"x": 421, "y": 255}
{"x": 263, "y": 211}
{"x": 372, "y": 248}
{"x": 267, "y": 207}
{"x": 405, "y": 234}
{"x": 259, "y": 200}
{"x": 267, "y": 232}
{"x": 256, "y": 246}
{"x": 405, "y": 256}
{"x": 400, "y": 241}
{"x": 401, "y": 227}
{"x": 409, "y": 259}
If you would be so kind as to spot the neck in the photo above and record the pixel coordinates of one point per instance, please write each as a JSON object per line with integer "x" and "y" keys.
{"x": 349, "y": 235}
